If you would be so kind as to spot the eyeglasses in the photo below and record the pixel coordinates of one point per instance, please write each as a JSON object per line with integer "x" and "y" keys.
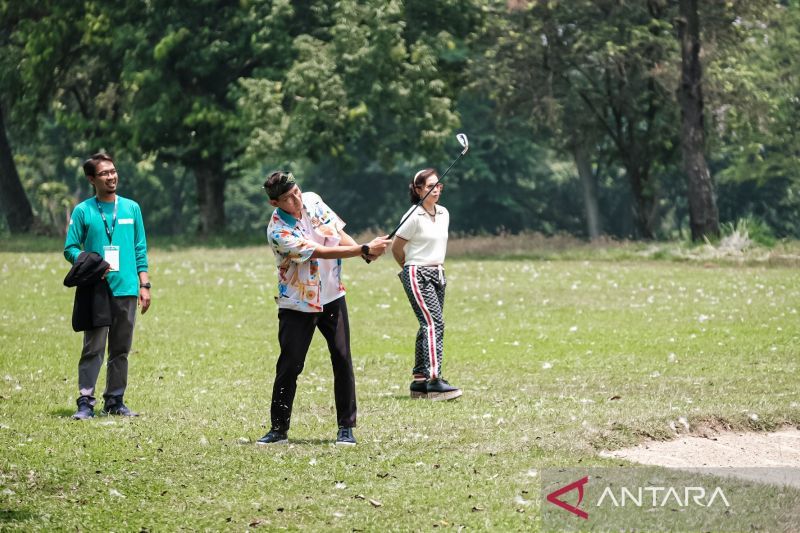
{"x": 106, "y": 173}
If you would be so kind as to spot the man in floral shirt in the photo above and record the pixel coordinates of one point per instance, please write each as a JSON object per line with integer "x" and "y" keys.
{"x": 309, "y": 243}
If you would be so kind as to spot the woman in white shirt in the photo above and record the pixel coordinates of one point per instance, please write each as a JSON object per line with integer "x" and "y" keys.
{"x": 419, "y": 247}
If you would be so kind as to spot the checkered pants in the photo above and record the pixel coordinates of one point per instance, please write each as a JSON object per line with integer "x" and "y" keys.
{"x": 425, "y": 287}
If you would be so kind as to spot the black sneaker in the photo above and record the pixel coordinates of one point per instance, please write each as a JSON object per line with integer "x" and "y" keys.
{"x": 116, "y": 407}
{"x": 419, "y": 389}
{"x": 345, "y": 437}
{"x": 85, "y": 409}
{"x": 274, "y": 437}
{"x": 438, "y": 390}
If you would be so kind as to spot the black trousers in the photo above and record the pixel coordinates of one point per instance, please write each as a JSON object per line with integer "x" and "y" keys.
{"x": 119, "y": 336}
{"x": 295, "y": 331}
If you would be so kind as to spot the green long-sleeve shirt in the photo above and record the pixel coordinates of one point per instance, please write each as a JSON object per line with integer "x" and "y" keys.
{"x": 87, "y": 232}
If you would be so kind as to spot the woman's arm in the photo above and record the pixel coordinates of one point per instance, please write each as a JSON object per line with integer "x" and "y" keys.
{"x": 398, "y": 250}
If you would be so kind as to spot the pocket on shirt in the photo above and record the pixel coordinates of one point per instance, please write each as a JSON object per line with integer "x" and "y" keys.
{"x": 309, "y": 293}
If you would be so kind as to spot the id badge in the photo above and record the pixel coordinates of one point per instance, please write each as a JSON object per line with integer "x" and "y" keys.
{"x": 111, "y": 255}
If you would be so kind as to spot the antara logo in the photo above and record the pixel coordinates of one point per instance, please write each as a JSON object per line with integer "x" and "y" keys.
{"x": 648, "y": 496}
{"x": 575, "y": 485}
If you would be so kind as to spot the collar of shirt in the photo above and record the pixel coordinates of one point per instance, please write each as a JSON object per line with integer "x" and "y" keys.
{"x": 286, "y": 217}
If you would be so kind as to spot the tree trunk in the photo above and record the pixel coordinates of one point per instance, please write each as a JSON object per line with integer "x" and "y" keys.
{"x": 13, "y": 201}
{"x": 703, "y": 213}
{"x": 210, "y": 198}
{"x": 643, "y": 201}
{"x": 589, "y": 186}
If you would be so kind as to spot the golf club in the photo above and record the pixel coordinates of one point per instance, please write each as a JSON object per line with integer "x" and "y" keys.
{"x": 464, "y": 142}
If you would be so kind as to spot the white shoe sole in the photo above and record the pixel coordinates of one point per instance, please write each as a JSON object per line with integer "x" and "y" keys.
{"x": 442, "y": 396}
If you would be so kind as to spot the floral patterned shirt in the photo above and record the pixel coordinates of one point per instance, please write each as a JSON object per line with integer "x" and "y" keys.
{"x": 306, "y": 284}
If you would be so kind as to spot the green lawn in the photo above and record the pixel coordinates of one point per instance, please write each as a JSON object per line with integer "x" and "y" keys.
{"x": 557, "y": 359}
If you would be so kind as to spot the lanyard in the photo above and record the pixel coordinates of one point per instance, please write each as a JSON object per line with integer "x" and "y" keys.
{"x": 109, "y": 232}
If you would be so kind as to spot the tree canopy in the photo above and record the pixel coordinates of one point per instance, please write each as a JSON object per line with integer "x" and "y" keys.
{"x": 580, "y": 114}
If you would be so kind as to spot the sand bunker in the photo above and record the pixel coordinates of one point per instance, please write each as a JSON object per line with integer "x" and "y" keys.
{"x": 767, "y": 457}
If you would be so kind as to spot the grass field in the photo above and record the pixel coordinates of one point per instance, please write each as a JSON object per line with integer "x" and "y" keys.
{"x": 558, "y": 359}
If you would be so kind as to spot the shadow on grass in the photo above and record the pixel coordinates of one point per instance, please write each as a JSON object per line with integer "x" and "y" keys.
{"x": 12, "y": 515}
{"x": 301, "y": 442}
{"x": 62, "y": 412}
{"x": 65, "y": 412}
{"x": 312, "y": 442}
{"x": 408, "y": 398}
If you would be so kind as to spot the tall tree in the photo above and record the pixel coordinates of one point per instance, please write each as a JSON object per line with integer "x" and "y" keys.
{"x": 752, "y": 86}
{"x": 13, "y": 201}
{"x": 44, "y": 47}
{"x": 583, "y": 163}
{"x": 35, "y": 48}
{"x": 175, "y": 96}
{"x": 703, "y": 213}
{"x": 593, "y": 74}
{"x": 364, "y": 97}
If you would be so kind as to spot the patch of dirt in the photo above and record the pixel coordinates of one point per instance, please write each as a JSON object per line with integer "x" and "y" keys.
{"x": 766, "y": 457}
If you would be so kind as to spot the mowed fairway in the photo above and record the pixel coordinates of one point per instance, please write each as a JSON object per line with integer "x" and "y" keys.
{"x": 557, "y": 359}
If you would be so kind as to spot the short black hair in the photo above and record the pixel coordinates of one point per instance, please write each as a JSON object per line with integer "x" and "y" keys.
{"x": 90, "y": 165}
{"x": 278, "y": 183}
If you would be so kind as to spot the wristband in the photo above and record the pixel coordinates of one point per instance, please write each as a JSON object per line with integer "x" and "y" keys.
{"x": 145, "y": 285}
{"x": 364, "y": 249}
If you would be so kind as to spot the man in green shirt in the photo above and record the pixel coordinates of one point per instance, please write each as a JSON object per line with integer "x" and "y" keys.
{"x": 111, "y": 226}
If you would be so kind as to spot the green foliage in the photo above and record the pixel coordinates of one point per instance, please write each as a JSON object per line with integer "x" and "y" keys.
{"x": 509, "y": 182}
{"x": 759, "y": 144}
{"x": 591, "y": 74}
{"x": 356, "y": 86}
{"x": 198, "y": 100}
{"x": 37, "y": 47}
{"x": 366, "y": 103}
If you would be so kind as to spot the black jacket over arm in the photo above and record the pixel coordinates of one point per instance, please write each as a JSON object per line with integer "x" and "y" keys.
{"x": 92, "y": 307}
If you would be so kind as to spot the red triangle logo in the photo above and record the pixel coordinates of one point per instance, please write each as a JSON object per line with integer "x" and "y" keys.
{"x": 553, "y": 497}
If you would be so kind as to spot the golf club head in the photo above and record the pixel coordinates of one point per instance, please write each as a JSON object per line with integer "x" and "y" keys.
{"x": 463, "y": 141}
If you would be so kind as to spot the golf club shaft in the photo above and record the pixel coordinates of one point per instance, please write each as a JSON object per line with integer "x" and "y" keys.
{"x": 421, "y": 200}
{"x": 413, "y": 209}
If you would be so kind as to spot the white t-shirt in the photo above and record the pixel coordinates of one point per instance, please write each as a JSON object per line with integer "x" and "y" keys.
{"x": 426, "y": 236}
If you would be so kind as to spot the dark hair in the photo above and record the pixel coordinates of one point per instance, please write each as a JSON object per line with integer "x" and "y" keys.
{"x": 419, "y": 180}
{"x": 278, "y": 182}
{"x": 90, "y": 165}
